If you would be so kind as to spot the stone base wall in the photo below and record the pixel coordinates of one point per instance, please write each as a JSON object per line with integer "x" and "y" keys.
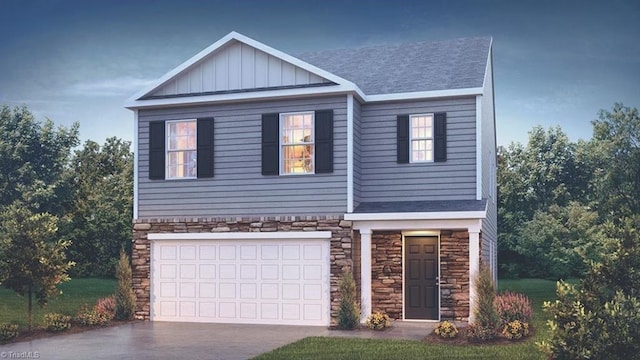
{"x": 386, "y": 273}
{"x": 454, "y": 275}
{"x": 340, "y": 247}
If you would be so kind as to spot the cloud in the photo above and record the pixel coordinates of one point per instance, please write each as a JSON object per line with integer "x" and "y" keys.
{"x": 109, "y": 87}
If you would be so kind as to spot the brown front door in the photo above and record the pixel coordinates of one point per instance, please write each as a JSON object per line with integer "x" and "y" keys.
{"x": 421, "y": 277}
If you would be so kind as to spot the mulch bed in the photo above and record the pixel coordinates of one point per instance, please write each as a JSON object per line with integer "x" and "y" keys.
{"x": 40, "y": 332}
{"x": 462, "y": 339}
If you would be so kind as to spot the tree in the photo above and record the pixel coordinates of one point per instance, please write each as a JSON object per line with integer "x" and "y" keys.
{"x": 560, "y": 242}
{"x": 616, "y": 148}
{"x": 33, "y": 159}
{"x": 349, "y": 312}
{"x": 125, "y": 297}
{"x": 530, "y": 179}
{"x": 102, "y": 207}
{"x": 33, "y": 261}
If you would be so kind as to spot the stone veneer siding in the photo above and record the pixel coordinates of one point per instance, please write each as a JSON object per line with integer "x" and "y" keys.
{"x": 340, "y": 246}
{"x": 386, "y": 274}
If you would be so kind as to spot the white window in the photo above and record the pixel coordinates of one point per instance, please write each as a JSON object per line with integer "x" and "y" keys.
{"x": 181, "y": 149}
{"x": 297, "y": 143}
{"x": 421, "y": 135}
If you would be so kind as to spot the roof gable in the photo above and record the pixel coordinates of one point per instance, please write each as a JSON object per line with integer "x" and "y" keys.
{"x": 237, "y": 63}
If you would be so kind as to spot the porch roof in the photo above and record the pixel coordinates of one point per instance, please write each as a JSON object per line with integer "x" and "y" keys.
{"x": 421, "y": 206}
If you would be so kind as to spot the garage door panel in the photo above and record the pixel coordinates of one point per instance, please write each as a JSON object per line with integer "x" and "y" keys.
{"x": 261, "y": 281}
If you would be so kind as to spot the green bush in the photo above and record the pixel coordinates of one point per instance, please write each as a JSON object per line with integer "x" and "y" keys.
{"x": 477, "y": 334}
{"x": 8, "y": 331}
{"x": 515, "y": 330}
{"x": 125, "y": 297}
{"x": 486, "y": 317}
{"x": 580, "y": 331}
{"x": 56, "y": 322}
{"x": 349, "y": 313}
{"x": 91, "y": 317}
{"x": 378, "y": 321}
{"x": 446, "y": 330}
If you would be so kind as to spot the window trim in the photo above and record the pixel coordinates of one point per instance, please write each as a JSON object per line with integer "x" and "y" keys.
{"x": 281, "y": 117}
{"x": 167, "y": 150}
{"x": 432, "y": 138}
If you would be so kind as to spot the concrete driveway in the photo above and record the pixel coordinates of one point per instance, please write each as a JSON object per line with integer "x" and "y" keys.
{"x": 163, "y": 340}
{"x": 172, "y": 340}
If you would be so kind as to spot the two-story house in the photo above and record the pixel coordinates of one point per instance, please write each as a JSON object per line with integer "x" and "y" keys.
{"x": 260, "y": 176}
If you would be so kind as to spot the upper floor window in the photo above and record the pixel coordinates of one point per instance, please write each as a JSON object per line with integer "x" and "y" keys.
{"x": 181, "y": 149}
{"x": 297, "y": 143}
{"x": 421, "y": 135}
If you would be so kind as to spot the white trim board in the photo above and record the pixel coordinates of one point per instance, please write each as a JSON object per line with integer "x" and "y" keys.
{"x": 135, "y": 164}
{"x": 350, "y": 159}
{"x": 291, "y": 235}
{"x": 454, "y": 215}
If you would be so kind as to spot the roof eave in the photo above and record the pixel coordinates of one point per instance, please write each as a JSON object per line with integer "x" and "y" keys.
{"x": 449, "y": 215}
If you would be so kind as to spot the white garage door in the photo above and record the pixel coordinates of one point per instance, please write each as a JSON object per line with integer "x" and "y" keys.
{"x": 268, "y": 281}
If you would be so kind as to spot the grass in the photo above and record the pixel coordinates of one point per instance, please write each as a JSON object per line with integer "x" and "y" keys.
{"x": 537, "y": 290}
{"x": 75, "y": 293}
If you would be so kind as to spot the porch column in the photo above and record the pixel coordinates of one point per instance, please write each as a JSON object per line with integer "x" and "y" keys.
{"x": 474, "y": 268}
{"x": 365, "y": 274}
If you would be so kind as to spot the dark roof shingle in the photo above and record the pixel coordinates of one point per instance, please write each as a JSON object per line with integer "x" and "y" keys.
{"x": 421, "y": 206}
{"x": 411, "y": 67}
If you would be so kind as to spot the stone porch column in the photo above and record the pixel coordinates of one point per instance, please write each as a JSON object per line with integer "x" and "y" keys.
{"x": 365, "y": 274}
{"x": 474, "y": 268}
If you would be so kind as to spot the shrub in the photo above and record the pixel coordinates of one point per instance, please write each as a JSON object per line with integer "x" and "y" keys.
{"x": 125, "y": 297}
{"x": 106, "y": 307}
{"x": 513, "y": 306}
{"x": 587, "y": 331}
{"x": 91, "y": 317}
{"x": 378, "y": 321}
{"x": 56, "y": 322}
{"x": 515, "y": 330}
{"x": 486, "y": 316}
{"x": 446, "y": 330}
{"x": 349, "y": 313}
{"x": 8, "y": 331}
{"x": 476, "y": 333}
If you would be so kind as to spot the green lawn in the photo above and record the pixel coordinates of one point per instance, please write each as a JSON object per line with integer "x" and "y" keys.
{"x": 352, "y": 348}
{"x": 75, "y": 293}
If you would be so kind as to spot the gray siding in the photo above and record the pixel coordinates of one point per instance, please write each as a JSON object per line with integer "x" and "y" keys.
{"x": 383, "y": 179}
{"x": 357, "y": 157}
{"x": 238, "y": 187}
{"x": 489, "y": 181}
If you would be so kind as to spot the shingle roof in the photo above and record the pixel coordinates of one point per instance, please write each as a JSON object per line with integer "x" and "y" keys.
{"x": 421, "y": 206}
{"x": 410, "y": 67}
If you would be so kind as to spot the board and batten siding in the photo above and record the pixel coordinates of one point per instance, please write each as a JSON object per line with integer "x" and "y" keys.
{"x": 383, "y": 179}
{"x": 237, "y": 66}
{"x": 357, "y": 157}
{"x": 238, "y": 188}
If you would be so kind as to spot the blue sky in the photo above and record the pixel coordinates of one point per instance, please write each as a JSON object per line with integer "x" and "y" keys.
{"x": 555, "y": 62}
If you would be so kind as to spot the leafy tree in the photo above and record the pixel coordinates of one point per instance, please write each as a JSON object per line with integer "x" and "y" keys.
{"x": 125, "y": 297}
{"x": 33, "y": 261}
{"x": 559, "y": 243}
{"x": 532, "y": 178}
{"x": 33, "y": 159}
{"x": 616, "y": 148}
{"x": 102, "y": 208}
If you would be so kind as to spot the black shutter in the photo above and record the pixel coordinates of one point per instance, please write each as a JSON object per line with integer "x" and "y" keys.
{"x": 205, "y": 147}
{"x": 440, "y": 137}
{"x": 270, "y": 158}
{"x": 324, "y": 141}
{"x": 402, "y": 141}
{"x": 156, "y": 150}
